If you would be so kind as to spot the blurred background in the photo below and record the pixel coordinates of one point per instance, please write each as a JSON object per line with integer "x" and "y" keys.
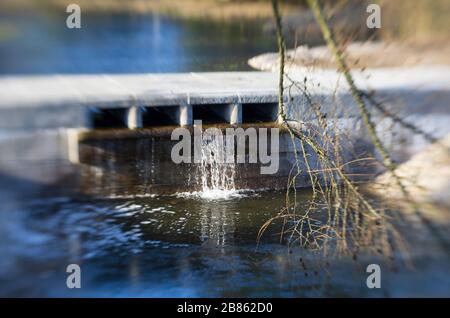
{"x": 189, "y": 35}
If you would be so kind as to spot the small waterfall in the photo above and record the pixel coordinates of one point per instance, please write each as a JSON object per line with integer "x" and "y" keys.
{"x": 214, "y": 173}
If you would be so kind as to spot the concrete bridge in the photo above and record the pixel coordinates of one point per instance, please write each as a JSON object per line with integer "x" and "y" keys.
{"x": 147, "y": 100}
{"x": 43, "y": 117}
{"x": 136, "y": 101}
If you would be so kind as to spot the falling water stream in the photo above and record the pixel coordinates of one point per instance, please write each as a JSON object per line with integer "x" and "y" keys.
{"x": 216, "y": 175}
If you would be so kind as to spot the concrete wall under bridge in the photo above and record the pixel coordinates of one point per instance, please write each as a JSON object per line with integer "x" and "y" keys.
{"x": 140, "y": 162}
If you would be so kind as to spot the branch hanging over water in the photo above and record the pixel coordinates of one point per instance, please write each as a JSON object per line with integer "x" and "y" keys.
{"x": 281, "y": 52}
{"x": 315, "y": 234}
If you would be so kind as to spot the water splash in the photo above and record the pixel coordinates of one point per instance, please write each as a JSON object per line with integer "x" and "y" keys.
{"x": 215, "y": 174}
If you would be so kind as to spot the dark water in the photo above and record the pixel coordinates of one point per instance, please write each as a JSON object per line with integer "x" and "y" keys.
{"x": 36, "y": 43}
{"x": 166, "y": 246}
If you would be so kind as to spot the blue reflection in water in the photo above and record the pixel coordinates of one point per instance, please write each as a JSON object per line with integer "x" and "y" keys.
{"x": 126, "y": 44}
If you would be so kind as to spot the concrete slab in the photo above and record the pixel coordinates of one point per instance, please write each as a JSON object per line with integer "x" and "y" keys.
{"x": 420, "y": 88}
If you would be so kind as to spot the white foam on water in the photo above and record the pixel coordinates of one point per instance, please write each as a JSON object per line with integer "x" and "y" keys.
{"x": 219, "y": 194}
{"x": 128, "y": 196}
{"x": 216, "y": 194}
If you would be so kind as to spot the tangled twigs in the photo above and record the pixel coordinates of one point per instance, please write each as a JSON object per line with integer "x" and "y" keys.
{"x": 344, "y": 69}
{"x": 338, "y": 211}
{"x": 327, "y": 194}
{"x": 358, "y": 97}
{"x": 416, "y": 130}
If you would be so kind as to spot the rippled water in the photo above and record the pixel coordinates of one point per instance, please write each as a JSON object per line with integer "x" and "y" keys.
{"x": 155, "y": 246}
{"x": 180, "y": 245}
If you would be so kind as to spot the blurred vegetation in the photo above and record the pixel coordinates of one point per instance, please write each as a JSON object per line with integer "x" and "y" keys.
{"x": 192, "y": 9}
{"x": 418, "y": 20}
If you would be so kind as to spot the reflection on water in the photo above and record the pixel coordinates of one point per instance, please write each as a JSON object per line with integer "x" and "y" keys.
{"x": 127, "y": 44}
{"x": 179, "y": 246}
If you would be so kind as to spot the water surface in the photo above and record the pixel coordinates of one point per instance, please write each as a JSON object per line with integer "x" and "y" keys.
{"x": 41, "y": 44}
{"x": 183, "y": 246}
